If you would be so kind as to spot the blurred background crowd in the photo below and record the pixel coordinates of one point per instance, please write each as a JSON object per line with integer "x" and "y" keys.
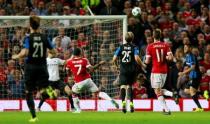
{"x": 181, "y": 21}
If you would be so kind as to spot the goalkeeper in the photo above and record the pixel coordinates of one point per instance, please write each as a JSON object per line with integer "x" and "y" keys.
{"x": 54, "y": 79}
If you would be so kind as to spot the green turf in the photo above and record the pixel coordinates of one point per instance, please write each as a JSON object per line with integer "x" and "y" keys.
{"x": 107, "y": 118}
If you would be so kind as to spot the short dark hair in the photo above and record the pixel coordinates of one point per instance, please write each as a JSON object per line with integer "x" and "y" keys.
{"x": 77, "y": 52}
{"x": 157, "y": 34}
{"x": 34, "y": 22}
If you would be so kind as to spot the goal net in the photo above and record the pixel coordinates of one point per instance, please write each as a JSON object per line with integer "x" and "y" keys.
{"x": 98, "y": 36}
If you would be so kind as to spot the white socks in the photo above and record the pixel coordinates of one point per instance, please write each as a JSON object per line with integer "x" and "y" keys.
{"x": 163, "y": 103}
{"x": 104, "y": 95}
{"x": 76, "y": 103}
{"x": 167, "y": 92}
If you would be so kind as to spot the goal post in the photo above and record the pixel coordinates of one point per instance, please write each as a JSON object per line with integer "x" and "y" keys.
{"x": 99, "y": 36}
{"x": 121, "y": 17}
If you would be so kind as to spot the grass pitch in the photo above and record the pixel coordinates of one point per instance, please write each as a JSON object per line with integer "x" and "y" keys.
{"x": 107, "y": 118}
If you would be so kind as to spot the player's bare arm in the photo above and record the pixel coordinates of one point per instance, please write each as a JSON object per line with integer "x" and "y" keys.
{"x": 114, "y": 61}
{"x": 92, "y": 68}
{"x": 187, "y": 70}
{"x": 139, "y": 62}
{"x": 169, "y": 56}
{"x": 23, "y": 53}
{"x": 148, "y": 60}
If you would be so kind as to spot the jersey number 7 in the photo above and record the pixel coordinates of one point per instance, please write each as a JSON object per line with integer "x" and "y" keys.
{"x": 79, "y": 66}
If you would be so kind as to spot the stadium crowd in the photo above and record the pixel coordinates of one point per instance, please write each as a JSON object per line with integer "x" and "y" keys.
{"x": 181, "y": 21}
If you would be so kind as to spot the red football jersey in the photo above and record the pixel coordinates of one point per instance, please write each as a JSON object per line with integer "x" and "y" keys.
{"x": 204, "y": 83}
{"x": 158, "y": 52}
{"x": 78, "y": 67}
{"x": 138, "y": 90}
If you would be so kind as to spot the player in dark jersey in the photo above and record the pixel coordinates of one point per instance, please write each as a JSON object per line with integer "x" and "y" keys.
{"x": 194, "y": 75}
{"x": 35, "y": 50}
{"x": 129, "y": 58}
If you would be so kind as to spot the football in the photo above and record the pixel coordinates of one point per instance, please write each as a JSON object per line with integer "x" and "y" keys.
{"x": 136, "y": 11}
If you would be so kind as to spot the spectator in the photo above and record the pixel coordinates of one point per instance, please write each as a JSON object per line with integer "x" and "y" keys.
{"x": 201, "y": 44}
{"x": 82, "y": 40}
{"x": 2, "y": 12}
{"x": 206, "y": 31}
{"x": 66, "y": 12}
{"x": 40, "y": 10}
{"x": 149, "y": 8}
{"x": 173, "y": 74}
{"x": 18, "y": 37}
{"x": 175, "y": 32}
{"x": 3, "y": 4}
{"x": 11, "y": 67}
{"x": 186, "y": 40}
{"x": 16, "y": 84}
{"x": 166, "y": 36}
{"x": 206, "y": 61}
{"x": 73, "y": 45}
{"x": 52, "y": 10}
{"x": 78, "y": 10}
{"x": 179, "y": 55}
{"x": 144, "y": 21}
{"x": 196, "y": 52}
{"x": 65, "y": 40}
{"x": 58, "y": 47}
{"x": 109, "y": 9}
{"x": 58, "y": 5}
{"x": 205, "y": 81}
{"x": 26, "y": 11}
{"x": 204, "y": 14}
{"x": 127, "y": 6}
{"x": 141, "y": 4}
{"x": 135, "y": 27}
{"x": 208, "y": 48}
{"x": 139, "y": 91}
{"x": 106, "y": 39}
{"x": 149, "y": 40}
{"x": 3, "y": 85}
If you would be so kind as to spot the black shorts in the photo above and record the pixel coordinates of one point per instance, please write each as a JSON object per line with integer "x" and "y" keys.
{"x": 127, "y": 78}
{"x": 58, "y": 85}
{"x": 36, "y": 77}
{"x": 195, "y": 82}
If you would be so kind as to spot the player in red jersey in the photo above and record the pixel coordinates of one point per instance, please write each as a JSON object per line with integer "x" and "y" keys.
{"x": 204, "y": 83}
{"x": 80, "y": 68}
{"x": 159, "y": 52}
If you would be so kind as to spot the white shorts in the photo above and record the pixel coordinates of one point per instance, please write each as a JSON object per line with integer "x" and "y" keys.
{"x": 158, "y": 80}
{"x": 82, "y": 86}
